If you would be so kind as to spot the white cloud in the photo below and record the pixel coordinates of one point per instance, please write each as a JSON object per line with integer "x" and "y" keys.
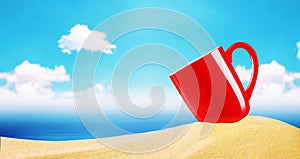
{"x": 29, "y": 87}
{"x": 97, "y": 89}
{"x": 243, "y": 73}
{"x": 33, "y": 79}
{"x": 75, "y": 41}
{"x": 298, "y": 46}
{"x": 30, "y": 84}
{"x": 275, "y": 88}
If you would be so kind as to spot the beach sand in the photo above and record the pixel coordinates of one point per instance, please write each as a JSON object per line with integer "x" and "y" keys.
{"x": 252, "y": 137}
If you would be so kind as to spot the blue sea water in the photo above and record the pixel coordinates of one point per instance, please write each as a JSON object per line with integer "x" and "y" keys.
{"x": 43, "y": 127}
{"x": 69, "y": 127}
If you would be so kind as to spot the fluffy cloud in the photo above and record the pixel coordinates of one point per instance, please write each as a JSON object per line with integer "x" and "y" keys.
{"x": 275, "y": 88}
{"x": 30, "y": 84}
{"x": 97, "y": 89}
{"x": 76, "y": 41}
{"x": 29, "y": 87}
{"x": 298, "y": 45}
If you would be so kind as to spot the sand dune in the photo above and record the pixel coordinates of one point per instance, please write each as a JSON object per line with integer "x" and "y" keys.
{"x": 252, "y": 137}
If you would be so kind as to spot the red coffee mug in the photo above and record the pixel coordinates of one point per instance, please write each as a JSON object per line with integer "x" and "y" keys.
{"x": 211, "y": 88}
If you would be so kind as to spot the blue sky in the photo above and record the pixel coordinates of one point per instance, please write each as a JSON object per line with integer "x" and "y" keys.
{"x": 30, "y": 31}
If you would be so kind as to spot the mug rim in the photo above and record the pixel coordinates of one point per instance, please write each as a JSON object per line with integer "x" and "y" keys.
{"x": 196, "y": 59}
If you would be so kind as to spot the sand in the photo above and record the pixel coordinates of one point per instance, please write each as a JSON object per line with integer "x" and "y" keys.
{"x": 252, "y": 137}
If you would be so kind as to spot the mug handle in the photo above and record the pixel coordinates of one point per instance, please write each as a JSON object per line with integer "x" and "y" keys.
{"x": 254, "y": 59}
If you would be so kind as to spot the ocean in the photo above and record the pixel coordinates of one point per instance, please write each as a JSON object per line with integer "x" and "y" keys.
{"x": 70, "y": 127}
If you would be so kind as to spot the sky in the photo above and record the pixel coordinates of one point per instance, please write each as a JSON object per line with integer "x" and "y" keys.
{"x": 41, "y": 40}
